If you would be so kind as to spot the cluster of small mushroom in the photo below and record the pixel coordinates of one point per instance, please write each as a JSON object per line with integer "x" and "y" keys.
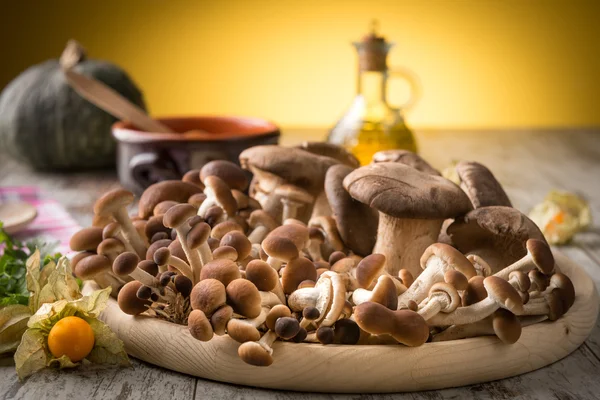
{"x": 322, "y": 250}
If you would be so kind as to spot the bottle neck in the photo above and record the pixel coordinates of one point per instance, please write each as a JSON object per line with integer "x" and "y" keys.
{"x": 371, "y": 85}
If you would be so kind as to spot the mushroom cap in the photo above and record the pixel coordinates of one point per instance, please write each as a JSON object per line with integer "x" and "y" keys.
{"x": 336, "y": 256}
{"x": 244, "y": 298}
{"x": 332, "y": 151}
{"x": 541, "y": 254}
{"x": 329, "y": 227}
{"x": 538, "y": 280}
{"x": 178, "y": 215}
{"x": 449, "y": 256}
{"x": 213, "y": 243}
{"x": 220, "y": 230}
{"x": 346, "y": 331}
{"x": 262, "y": 218}
{"x": 222, "y": 193}
{"x": 286, "y": 327}
{"x": 208, "y": 295}
{"x": 285, "y": 241}
{"x": 254, "y": 354}
{"x": 149, "y": 266}
{"x": 278, "y": 311}
{"x": 503, "y": 294}
{"x": 344, "y": 265}
{"x": 368, "y": 269}
{"x": 506, "y": 326}
{"x": 128, "y": 301}
{"x": 407, "y": 158}
{"x": 315, "y": 235}
{"x": 198, "y": 235}
{"x": 225, "y": 252}
{"x": 356, "y": 222}
{"x": 480, "y": 185}
{"x": 239, "y": 242}
{"x": 475, "y": 291}
{"x": 197, "y": 199}
{"x": 220, "y": 319}
{"x": 199, "y": 326}
{"x": 173, "y": 190}
{"x": 385, "y": 293}
{"x": 564, "y": 285}
{"x": 91, "y": 266}
{"x": 522, "y": 280}
{"x": 183, "y": 285}
{"x": 86, "y": 239}
{"x": 214, "y": 215}
{"x": 223, "y": 270}
{"x": 241, "y": 331}
{"x": 80, "y": 256}
{"x": 101, "y": 221}
{"x": 112, "y": 201}
{"x": 405, "y": 326}
{"x": 456, "y": 279}
{"x": 453, "y": 299}
{"x": 154, "y": 225}
{"x": 295, "y": 166}
{"x": 294, "y": 194}
{"x": 125, "y": 263}
{"x": 230, "y": 173}
{"x": 502, "y": 230}
{"x": 155, "y": 246}
{"x": 110, "y": 247}
{"x": 262, "y": 275}
{"x": 163, "y": 207}
{"x": 406, "y": 277}
{"x": 297, "y": 270}
{"x": 159, "y": 236}
{"x": 193, "y": 177}
{"x": 404, "y": 192}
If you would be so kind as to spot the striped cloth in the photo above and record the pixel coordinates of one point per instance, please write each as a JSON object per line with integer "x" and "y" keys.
{"x": 52, "y": 224}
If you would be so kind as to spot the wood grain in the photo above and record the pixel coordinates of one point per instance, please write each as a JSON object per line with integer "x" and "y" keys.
{"x": 365, "y": 369}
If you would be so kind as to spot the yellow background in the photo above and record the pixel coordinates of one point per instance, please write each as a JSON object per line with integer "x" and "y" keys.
{"x": 492, "y": 64}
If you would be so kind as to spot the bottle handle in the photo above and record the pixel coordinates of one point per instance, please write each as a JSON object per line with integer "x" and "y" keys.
{"x": 415, "y": 85}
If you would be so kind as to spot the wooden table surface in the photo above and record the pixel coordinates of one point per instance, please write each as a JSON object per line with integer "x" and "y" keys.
{"x": 527, "y": 163}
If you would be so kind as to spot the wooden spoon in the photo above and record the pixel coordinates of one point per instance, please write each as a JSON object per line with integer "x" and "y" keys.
{"x": 15, "y": 215}
{"x": 103, "y": 96}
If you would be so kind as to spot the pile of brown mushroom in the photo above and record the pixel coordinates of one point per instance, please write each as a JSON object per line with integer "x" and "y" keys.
{"x": 323, "y": 251}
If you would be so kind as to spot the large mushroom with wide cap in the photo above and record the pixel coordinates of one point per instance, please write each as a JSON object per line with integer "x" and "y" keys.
{"x": 412, "y": 206}
{"x": 405, "y": 157}
{"x": 496, "y": 234}
{"x": 356, "y": 222}
{"x": 480, "y": 185}
{"x": 273, "y": 166}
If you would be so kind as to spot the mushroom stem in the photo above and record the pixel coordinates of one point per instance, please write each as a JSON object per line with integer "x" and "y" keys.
{"x": 314, "y": 249}
{"x": 269, "y": 299}
{"x": 487, "y": 259}
{"x": 290, "y": 208}
{"x": 430, "y": 309}
{"x": 258, "y": 234}
{"x": 482, "y": 327}
{"x": 274, "y": 263}
{"x": 192, "y": 256}
{"x": 402, "y": 241}
{"x": 417, "y": 292}
{"x": 267, "y": 340}
{"x": 129, "y": 232}
{"x": 205, "y": 254}
{"x": 466, "y": 315}
{"x": 182, "y": 267}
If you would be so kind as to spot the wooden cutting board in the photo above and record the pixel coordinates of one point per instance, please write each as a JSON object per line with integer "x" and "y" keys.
{"x": 364, "y": 369}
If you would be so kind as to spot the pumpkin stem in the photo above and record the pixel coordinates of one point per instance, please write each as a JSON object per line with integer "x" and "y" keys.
{"x": 73, "y": 54}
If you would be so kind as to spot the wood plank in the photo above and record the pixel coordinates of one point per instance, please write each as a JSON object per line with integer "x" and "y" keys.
{"x": 143, "y": 382}
{"x": 574, "y": 377}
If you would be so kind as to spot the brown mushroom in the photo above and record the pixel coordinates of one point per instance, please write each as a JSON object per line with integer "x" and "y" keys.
{"x": 223, "y": 270}
{"x": 163, "y": 258}
{"x": 228, "y": 172}
{"x": 405, "y": 157}
{"x": 405, "y": 326}
{"x": 443, "y": 297}
{"x": 208, "y": 295}
{"x": 244, "y": 298}
{"x": 114, "y": 203}
{"x": 86, "y": 239}
{"x": 296, "y": 271}
{"x": 412, "y": 206}
{"x": 383, "y": 293}
{"x": 199, "y": 326}
{"x": 500, "y": 295}
{"x": 193, "y": 177}
{"x": 128, "y": 301}
{"x": 218, "y": 193}
{"x": 293, "y": 198}
{"x": 332, "y": 151}
{"x": 261, "y": 223}
{"x": 284, "y": 243}
{"x": 480, "y": 185}
{"x": 496, "y": 234}
{"x": 356, "y": 222}
{"x": 239, "y": 242}
{"x": 170, "y": 190}
{"x": 176, "y": 219}
{"x": 538, "y": 256}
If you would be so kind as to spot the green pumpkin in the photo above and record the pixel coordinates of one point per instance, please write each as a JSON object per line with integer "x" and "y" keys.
{"x": 45, "y": 123}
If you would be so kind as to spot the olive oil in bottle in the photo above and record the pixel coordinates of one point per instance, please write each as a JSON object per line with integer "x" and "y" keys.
{"x": 371, "y": 124}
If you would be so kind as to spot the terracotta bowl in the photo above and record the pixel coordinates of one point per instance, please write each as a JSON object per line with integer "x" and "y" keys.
{"x": 144, "y": 158}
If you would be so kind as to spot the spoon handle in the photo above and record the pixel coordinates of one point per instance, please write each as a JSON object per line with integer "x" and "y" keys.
{"x": 112, "y": 102}
{"x": 104, "y": 96}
